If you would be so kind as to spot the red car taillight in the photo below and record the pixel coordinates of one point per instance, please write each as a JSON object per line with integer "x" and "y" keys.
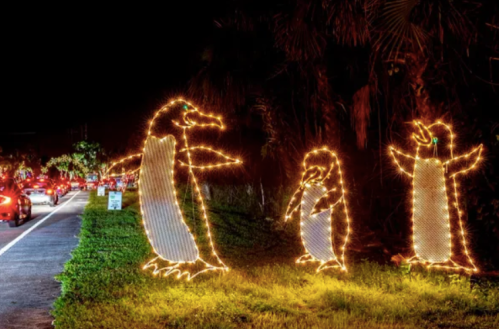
{"x": 4, "y": 200}
{"x": 49, "y": 191}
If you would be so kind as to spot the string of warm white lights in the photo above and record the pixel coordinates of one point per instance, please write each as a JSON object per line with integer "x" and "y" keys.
{"x": 316, "y": 224}
{"x": 189, "y": 119}
{"x": 431, "y": 216}
{"x": 203, "y": 208}
{"x": 209, "y": 166}
{"x": 131, "y": 172}
{"x": 128, "y": 157}
{"x": 124, "y": 174}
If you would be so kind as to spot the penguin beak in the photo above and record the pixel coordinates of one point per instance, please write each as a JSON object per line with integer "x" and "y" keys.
{"x": 197, "y": 118}
{"x": 424, "y": 136}
{"x": 312, "y": 174}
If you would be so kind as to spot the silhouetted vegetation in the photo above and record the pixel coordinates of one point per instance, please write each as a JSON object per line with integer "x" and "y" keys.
{"x": 353, "y": 75}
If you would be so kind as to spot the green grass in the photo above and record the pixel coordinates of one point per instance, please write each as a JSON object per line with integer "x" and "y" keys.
{"x": 103, "y": 285}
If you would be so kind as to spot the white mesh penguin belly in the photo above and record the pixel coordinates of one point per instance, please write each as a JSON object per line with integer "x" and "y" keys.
{"x": 316, "y": 229}
{"x": 431, "y": 221}
{"x": 168, "y": 234}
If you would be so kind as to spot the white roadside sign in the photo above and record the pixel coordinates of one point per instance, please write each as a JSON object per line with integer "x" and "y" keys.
{"x": 101, "y": 191}
{"x": 114, "y": 202}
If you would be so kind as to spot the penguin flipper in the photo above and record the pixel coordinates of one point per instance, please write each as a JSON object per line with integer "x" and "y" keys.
{"x": 403, "y": 161}
{"x": 463, "y": 163}
{"x": 328, "y": 201}
{"x": 218, "y": 159}
{"x": 294, "y": 203}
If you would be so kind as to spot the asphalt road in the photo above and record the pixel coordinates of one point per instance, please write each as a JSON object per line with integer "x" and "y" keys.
{"x": 29, "y": 263}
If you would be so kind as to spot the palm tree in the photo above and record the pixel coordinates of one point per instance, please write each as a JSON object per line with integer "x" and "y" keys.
{"x": 397, "y": 39}
{"x": 305, "y": 70}
{"x": 18, "y": 164}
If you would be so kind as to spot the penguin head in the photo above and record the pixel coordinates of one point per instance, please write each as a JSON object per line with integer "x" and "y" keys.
{"x": 192, "y": 117}
{"x": 433, "y": 141}
{"x": 423, "y": 135}
{"x": 180, "y": 113}
{"x": 318, "y": 165}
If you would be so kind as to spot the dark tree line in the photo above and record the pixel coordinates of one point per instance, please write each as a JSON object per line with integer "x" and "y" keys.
{"x": 354, "y": 74}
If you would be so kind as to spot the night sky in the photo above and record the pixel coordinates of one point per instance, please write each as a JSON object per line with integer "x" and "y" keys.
{"x": 109, "y": 67}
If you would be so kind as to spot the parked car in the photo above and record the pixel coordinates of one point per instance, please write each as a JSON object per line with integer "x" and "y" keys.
{"x": 77, "y": 184}
{"x": 104, "y": 182}
{"x": 14, "y": 205}
{"x": 41, "y": 192}
{"x": 66, "y": 183}
{"x": 92, "y": 185}
{"x": 108, "y": 183}
{"x": 61, "y": 187}
{"x": 122, "y": 183}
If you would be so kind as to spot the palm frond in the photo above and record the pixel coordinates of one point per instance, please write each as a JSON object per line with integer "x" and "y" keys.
{"x": 396, "y": 30}
{"x": 348, "y": 21}
{"x": 297, "y": 34}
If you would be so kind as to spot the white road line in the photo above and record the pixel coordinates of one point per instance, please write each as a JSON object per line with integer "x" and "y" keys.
{"x": 16, "y": 240}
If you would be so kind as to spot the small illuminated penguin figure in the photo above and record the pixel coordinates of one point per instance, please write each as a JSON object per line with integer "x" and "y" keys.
{"x": 438, "y": 229}
{"x": 170, "y": 236}
{"x": 320, "y": 200}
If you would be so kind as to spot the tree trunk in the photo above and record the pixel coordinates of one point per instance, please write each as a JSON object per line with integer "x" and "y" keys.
{"x": 416, "y": 65}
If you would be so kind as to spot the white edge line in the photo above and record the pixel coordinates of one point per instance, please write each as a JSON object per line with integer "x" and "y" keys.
{"x": 16, "y": 240}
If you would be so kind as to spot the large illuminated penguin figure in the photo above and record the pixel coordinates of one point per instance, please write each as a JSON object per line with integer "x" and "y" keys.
{"x": 438, "y": 229}
{"x": 168, "y": 233}
{"x": 320, "y": 199}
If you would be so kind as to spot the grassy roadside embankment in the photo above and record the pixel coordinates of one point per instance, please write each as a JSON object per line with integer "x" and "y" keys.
{"x": 103, "y": 286}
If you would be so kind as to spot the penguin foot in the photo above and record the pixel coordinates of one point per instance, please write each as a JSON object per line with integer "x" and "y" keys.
{"x": 334, "y": 263}
{"x": 188, "y": 269}
{"x": 306, "y": 258}
{"x": 449, "y": 264}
